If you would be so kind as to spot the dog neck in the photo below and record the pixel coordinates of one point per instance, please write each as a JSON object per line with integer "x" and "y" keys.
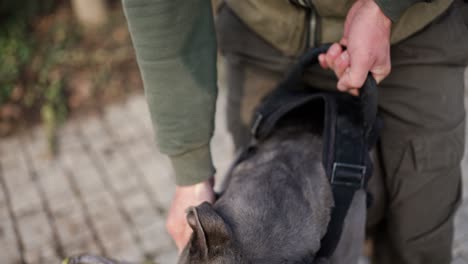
{"x": 278, "y": 202}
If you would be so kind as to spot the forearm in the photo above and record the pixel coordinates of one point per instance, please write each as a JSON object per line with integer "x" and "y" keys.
{"x": 176, "y": 51}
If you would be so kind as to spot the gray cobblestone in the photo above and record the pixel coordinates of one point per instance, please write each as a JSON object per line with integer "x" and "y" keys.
{"x": 155, "y": 237}
{"x": 7, "y": 233}
{"x": 159, "y": 174}
{"x": 8, "y": 242}
{"x": 167, "y": 257}
{"x": 101, "y": 206}
{"x": 46, "y": 254}
{"x": 138, "y": 109}
{"x": 85, "y": 174}
{"x": 35, "y": 231}
{"x": 124, "y": 250}
{"x": 68, "y": 139}
{"x": 11, "y": 159}
{"x": 71, "y": 224}
{"x": 25, "y": 200}
{"x": 77, "y": 164}
{"x": 4, "y": 215}
{"x": 140, "y": 210}
{"x": 9, "y": 253}
{"x": 17, "y": 175}
{"x": 84, "y": 245}
{"x": 117, "y": 117}
{"x": 114, "y": 162}
{"x": 55, "y": 184}
{"x": 125, "y": 183}
{"x": 112, "y": 232}
{"x": 35, "y": 143}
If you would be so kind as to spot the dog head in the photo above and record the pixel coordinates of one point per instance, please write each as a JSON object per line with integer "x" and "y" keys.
{"x": 213, "y": 242}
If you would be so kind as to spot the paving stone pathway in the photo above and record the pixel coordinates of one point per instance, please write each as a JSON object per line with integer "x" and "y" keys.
{"x": 106, "y": 193}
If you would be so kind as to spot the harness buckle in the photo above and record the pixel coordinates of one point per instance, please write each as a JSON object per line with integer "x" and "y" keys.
{"x": 350, "y": 175}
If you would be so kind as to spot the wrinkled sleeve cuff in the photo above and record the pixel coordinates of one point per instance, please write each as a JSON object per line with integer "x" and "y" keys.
{"x": 193, "y": 167}
{"x": 394, "y": 9}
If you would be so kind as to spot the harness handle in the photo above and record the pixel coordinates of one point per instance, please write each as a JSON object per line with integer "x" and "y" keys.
{"x": 368, "y": 94}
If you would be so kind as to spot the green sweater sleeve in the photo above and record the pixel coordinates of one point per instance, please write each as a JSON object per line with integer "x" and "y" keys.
{"x": 395, "y": 8}
{"x": 175, "y": 45}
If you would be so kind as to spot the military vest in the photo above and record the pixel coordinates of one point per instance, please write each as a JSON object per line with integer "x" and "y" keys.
{"x": 286, "y": 26}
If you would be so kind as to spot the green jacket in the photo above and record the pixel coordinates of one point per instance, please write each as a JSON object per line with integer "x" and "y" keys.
{"x": 175, "y": 45}
{"x": 283, "y": 25}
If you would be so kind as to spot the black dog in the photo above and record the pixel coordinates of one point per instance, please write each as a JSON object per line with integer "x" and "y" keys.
{"x": 276, "y": 208}
{"x": 310, "y": 162}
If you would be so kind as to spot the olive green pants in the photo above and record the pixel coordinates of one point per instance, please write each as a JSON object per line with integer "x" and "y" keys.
{"x": 417, "y": 185}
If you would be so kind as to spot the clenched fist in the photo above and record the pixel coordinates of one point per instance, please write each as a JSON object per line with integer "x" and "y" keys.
{"x": 367, "y": 38}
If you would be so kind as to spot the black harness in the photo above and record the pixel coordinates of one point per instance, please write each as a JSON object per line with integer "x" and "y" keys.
{"x": 349, "y": 131}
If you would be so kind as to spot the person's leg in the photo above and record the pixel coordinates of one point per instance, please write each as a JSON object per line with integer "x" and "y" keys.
{"x": 247, "y": 84}
{"x": 422, "y": 144}
{"x": 252, "y": 69}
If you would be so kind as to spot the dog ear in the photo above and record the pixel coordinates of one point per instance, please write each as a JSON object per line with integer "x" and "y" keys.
{"x": 210, "y": 231}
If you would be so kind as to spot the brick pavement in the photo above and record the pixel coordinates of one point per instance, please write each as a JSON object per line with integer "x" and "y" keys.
{"x": 106, "y": 193}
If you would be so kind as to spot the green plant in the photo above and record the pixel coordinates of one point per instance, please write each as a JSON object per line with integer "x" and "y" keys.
{"x": 51, "y": 80}
{"x": 18, "y": 48}
{"x": 15, "y": 48}
{"x": 16, "y": 44}
{"x": 50, "y": 66}
{"x": 53, "y": 111}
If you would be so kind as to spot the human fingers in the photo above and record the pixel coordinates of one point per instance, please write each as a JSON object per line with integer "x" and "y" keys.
{"x": 354, "y": 92}
{"x": 344, "y": 41}
{"x": 333, "y": 52}
{"x": 185, "y": 197}
{"x": 381, "y": 70}
{"x": 341, "y": 64}
{"x": 356, "y": 73}
{"x": 323, "y": 61}
{"x": 178, "y": 228}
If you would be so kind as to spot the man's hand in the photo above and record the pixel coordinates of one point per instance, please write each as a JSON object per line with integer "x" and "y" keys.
{"x": 367, "y": 38}
{"x": 186, "y": 196}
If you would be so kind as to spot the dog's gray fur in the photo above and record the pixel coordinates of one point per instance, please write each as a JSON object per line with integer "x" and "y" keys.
{"x": 276, "y": 209}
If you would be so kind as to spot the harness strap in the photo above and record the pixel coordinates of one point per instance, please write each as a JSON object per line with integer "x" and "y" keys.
{"x": 349, "y": 131}
{"x": 352, "y": 168}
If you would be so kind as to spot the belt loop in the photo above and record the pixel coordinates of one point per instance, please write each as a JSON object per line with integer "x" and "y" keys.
{"x": 313, "y": 22}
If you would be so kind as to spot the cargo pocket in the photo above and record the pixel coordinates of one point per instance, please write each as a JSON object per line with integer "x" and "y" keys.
{"x": 428, "y": 158}
{"x": 439, "y": 152}
{"x": 436, "y": 191}
{"x": 424, "y": 159}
